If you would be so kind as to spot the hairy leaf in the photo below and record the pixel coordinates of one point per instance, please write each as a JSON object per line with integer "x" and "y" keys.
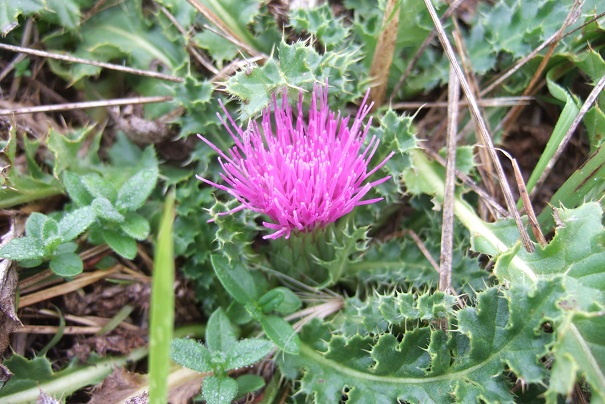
{"x": 247, "y": 352}
{"x": 192, "y": 354}
{"x": 219, "y": 390}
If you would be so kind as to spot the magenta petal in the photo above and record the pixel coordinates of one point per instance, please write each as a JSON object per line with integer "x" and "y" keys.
{"x": 301, "y": 173}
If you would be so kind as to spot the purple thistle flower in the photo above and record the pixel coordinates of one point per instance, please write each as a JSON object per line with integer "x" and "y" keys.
{"x": 302, "y": 175}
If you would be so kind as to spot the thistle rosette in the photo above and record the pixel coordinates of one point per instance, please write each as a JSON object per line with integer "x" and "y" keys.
{"x": 302, "y": 174}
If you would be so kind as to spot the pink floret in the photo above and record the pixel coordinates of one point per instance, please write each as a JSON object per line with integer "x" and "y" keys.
{"x": 301, "y": 174}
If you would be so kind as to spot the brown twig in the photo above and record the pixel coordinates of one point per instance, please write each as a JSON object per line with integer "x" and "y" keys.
{"x": 73, "y": 59}
{"x": 383, "y": 55}
{"x": 596, "y": 91}
{"x": 225, "y": 31}
{"x": 79, "y": 282}
{"x": 481, "y": 126}
{"x": 484, "y": 103}
{"x": 529, "y": 209}
{"x": 447, "y": 229}
{"x": 84, "y": 105}
{"x": 487, "y": 198}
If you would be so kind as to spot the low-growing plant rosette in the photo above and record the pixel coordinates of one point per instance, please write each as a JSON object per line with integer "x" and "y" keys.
{"x": 302, "y": 174}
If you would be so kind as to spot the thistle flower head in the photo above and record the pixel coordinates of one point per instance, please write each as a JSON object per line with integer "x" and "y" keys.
{"x": 302, "y": 174}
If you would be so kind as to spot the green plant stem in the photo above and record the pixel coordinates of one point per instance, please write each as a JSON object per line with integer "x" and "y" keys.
{"x": 429, "y": 173}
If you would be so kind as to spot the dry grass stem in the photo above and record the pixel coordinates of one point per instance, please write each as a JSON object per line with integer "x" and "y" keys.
{"x": 486, "y": 197}
{"x": 573, "y": 15}
{"x": 423, "y": 248}
{"x": 79, "y": 282}
{"x": 224, "y": 29}
{"x": 521, "y": 62}
{"x": 84, "y": 105}
{"x": 73, "y": 59}
{"x": 450, "y": 10}
{"x": 383, "y": 55}
{"x": 51, "y": 329}
{"x": 481, "y": 127}
{"x": 596, "y": 91}
{"x": 529, "y": 209}
{"x": 447, "y": 229}
{"x": 487, "y": 172}
{"x": 192, "y": 50}
{"x": 484, "y": 103}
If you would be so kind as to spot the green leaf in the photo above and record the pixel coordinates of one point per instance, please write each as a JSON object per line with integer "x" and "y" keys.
{"x": 579, "y": 352}
{"x": 249, "y": 383}
{"x": 135, "y": 191}
{"x": 76, "y": 189}
{"x": 236, "y": 15}
{"x": 565, "y": 120}
{"x": 281, "y": 333}
{"x": 191, "y": 354}
{"x": 50, "y": 235}
{"x": 34, "y": 226}
{"x": 219, "y": 390}
{"x": 585, "y": 184}
{"x": 11, "y": 10}
{"x": 280, "y": 300}
{"x": 321, "y": 22}
{"x": 162, "y": 306}
{"x": 75, "y": 223}
{"x": 235, "y": 279}
{"x": 502, "y": 334}
{"x": 104, "y": 209}
{"x": 119, "y": 32}
{"x": 64, "y": 12}
{"x": 99, "y": 187}
{"x": 220, "y": 334}
{"x": 124, "y": 245}
{"x": 76, "y": 150}
{"x": 136, "y": 226}
{"x": 24, "y": 248}
{"x": 247, "y": 352}
{"x": 67, "y": 264}
{"x": 577, "y": 251}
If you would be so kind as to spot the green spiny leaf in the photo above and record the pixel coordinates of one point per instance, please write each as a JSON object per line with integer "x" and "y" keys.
{"x": 579, "y": 351}
{"x": 577, "y": 251}
{"x": 10, "y": 11}
{"x": 494, "y": 336}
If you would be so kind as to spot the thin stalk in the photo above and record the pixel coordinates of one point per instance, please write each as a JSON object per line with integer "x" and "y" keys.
{"x": 481, "y": 126}
{"x": 447, "y": 230}
{"x": 73, "y": 59}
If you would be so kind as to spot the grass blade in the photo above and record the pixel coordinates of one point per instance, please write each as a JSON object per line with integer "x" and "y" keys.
{"x": 162, "y": 307}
